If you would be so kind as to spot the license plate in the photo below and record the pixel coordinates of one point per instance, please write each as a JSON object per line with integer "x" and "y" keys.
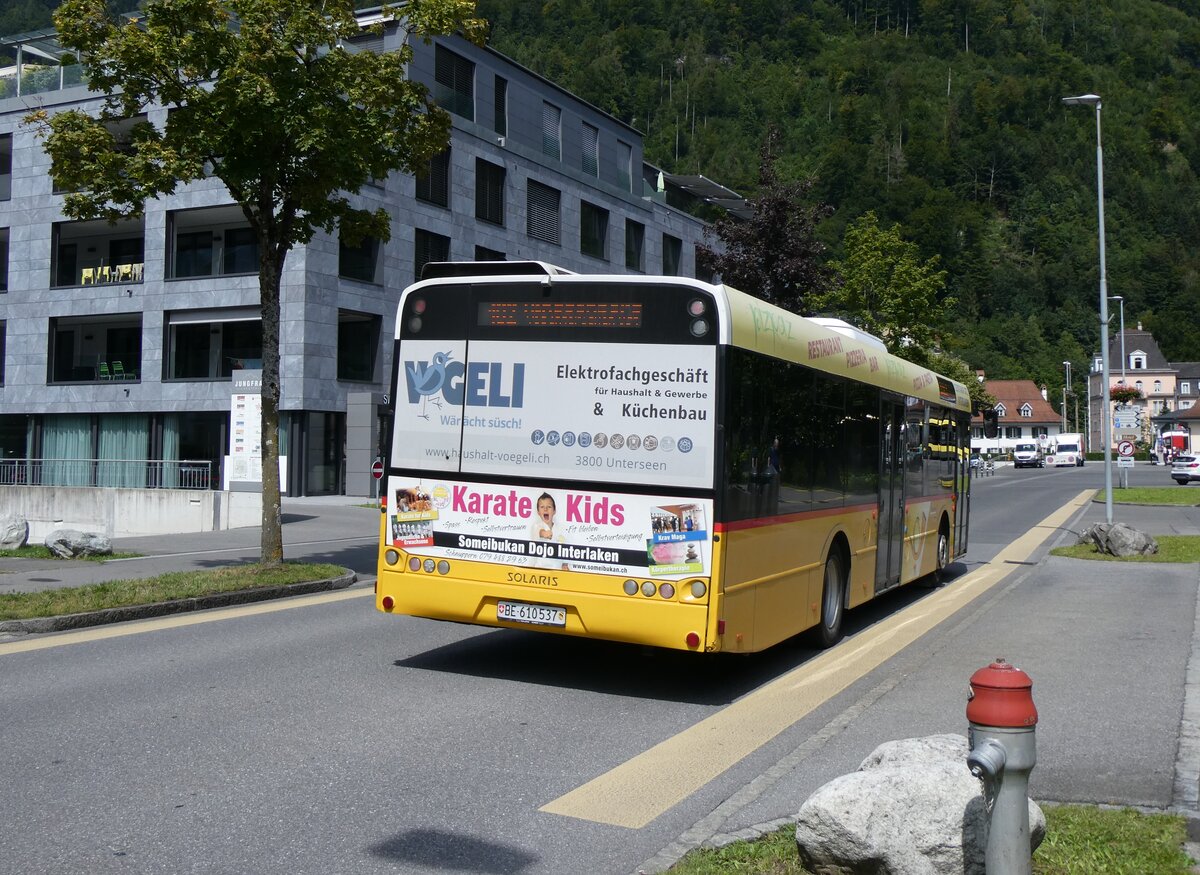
{"x": 535, "y": 615}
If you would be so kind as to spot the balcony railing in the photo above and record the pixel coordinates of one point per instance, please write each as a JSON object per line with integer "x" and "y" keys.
{"x": 126, "y": 473}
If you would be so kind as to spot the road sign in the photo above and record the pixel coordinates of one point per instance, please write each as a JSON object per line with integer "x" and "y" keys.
{"x": 1125, "y": 462}
{"x": 1125, "y": 449}
{"x": 377, "y": 470}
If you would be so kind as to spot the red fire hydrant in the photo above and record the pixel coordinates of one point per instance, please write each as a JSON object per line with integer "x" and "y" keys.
{"x": 1002, "y": 721}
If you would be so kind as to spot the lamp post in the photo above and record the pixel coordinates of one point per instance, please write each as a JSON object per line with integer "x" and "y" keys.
{"x": 1123, "y": 359}
{"x": 1066, "y": 383}
{"x": 1093, "y": 100}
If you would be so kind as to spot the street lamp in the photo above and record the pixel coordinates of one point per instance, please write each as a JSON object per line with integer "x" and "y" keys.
{"x": 1066, "y": 383}
{"x": 1123, "y": 359}
{"x": 1093, "y": 100}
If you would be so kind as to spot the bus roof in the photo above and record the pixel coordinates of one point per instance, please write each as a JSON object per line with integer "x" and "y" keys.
{"x": 751, "y": 324}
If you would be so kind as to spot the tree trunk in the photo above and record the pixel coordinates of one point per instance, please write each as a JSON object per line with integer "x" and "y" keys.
{"x": 269, "y": 278}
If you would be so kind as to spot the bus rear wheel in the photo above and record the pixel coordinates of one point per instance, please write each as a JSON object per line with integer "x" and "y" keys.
{"x": 833, "y": 600}
{"x": 943, "y": 551}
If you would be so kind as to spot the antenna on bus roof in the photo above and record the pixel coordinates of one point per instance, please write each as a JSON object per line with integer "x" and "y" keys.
{"x": 442, "y": 269}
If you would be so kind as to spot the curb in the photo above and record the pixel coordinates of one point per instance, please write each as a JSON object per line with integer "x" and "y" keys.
{"x": 67, "y": 622}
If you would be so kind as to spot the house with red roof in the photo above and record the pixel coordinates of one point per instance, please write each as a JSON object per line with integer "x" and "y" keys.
{"x": 1025, "y": 415}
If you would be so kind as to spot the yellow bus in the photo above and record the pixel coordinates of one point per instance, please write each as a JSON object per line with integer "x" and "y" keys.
{"x": 656, "y": 460}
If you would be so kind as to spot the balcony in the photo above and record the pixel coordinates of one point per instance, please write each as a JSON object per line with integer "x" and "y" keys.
{"x": 210, "y": 242}
{"x": 97, "y": 253}
{"x": 129, "y": 473}
{"x": 96, "y": 349}
{"x": 36, "y": 63}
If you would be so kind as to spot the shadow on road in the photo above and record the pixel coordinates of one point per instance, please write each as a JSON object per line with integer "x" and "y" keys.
{"x": 644, "y": 672}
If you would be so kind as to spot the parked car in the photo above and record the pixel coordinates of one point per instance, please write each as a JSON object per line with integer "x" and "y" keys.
{"x": 1028, "y": 456}
{"x": 1186, "y": 469}
{"x": 976, "y": 461}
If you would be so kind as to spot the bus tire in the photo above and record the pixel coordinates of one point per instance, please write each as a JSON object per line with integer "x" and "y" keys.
{"x": 833, "y": 601}
{"x": 943, "y": 551}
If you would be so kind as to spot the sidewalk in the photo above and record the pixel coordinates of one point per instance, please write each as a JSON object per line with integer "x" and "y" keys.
{"x": 325, "y": 520}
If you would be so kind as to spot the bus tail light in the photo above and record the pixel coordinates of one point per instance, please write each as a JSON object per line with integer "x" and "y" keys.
{"x": 630, "y": 587}
{"x": 720, "y": 627}
{"x": 647, "y": 589}
{"x": 443, "y": 567}
{"x": 388, "y": 603}
{"x": 698, "y": 589}
{"x": 667, "y": 591}
{"x": 391, "y": 557}
{"x": 693, "y": 640}
{"x": 414, "y": 563}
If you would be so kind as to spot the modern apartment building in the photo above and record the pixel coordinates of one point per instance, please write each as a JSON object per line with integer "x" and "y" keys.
{"x": 120, "y": 342}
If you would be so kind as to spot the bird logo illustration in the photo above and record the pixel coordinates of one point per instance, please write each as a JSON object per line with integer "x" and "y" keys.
{"x": 427, "y": 381}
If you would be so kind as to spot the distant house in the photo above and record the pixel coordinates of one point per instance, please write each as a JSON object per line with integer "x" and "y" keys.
{"x": 1024, "y": 414}
{"x": 1169, "y": 390}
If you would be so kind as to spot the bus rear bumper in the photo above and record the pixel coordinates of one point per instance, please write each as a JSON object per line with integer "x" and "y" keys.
{"x": 637, "y": 619}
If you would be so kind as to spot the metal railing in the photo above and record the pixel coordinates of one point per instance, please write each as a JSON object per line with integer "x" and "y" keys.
{"x": 126, "y": 473}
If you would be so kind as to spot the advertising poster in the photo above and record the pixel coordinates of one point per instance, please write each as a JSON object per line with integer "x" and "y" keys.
{"x": 615, "y": 413}
{"x": 552, "y": 529}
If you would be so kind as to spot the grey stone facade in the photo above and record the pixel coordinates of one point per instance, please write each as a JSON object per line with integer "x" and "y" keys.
{"x": 42, "y": 293}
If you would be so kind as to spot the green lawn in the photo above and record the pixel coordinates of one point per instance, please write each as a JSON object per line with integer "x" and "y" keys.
{"x": 1184, "y": 496}
{"x": 164, "y": 588}
{"x": 1171, "y": 548}
{"x": 1080, "y": 840}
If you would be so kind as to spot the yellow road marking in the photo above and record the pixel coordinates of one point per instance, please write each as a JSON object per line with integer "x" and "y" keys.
{"x": 175, "y": 621}
{"x": 639, "y": 790}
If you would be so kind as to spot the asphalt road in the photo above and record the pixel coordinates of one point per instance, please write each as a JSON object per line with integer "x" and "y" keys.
{"x": 316, "y": 735}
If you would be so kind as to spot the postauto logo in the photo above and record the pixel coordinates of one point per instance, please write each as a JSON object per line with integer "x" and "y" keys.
{"x": 473, "y": 384}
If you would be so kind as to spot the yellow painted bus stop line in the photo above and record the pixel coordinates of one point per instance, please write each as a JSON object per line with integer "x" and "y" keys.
{"x": 176, "y": 621}
{"x": 639, "y": 790}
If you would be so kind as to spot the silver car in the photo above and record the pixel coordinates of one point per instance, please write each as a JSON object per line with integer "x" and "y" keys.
{"x": 1186, "y": 469}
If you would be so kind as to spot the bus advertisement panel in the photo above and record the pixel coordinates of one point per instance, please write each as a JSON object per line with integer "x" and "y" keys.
{"x": 602, "y": 412}
{"x": 553, "y": 529}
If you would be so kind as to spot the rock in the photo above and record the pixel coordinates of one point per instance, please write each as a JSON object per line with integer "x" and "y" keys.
{"x": 912, "y": 808}
{"x": 1118, "y": 539}
{"x": 14, "y": 532}
{"x": 71, "y": 543}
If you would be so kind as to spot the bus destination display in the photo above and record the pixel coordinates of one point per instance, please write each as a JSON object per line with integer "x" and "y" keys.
{"x": 560, "y": 314}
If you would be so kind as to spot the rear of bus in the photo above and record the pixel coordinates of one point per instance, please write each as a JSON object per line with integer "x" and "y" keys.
{"x": 552, "y": 455}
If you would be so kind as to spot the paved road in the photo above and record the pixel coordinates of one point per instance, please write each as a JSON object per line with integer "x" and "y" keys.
{"x": 318, "y": 736}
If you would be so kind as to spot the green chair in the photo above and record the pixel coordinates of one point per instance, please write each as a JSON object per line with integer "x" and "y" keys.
{"x": 119, "y": 372}
{"x": 105, "y": 373}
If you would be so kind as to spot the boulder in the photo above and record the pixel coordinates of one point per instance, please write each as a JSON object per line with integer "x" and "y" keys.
{"x": 14, "y": 532}
{"x": 1118, "y": 539}
{"x": 912, "y": 808}
{"x": 71, "y": 543}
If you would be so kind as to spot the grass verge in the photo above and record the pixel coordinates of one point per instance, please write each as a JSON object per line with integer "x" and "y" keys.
{"x": 153, "y": 590}
{"x": 1169, "y": 495}
{"x": 38, "y": 551}
{"x": 1171, "y": 548}
{"x": 1080, "y": 840}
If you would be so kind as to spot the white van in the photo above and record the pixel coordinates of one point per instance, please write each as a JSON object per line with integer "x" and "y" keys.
{"x": 1067, "y": 450}
{"x": 1028, "y": 456}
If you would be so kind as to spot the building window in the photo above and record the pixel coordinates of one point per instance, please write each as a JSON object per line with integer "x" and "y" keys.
{"x": 212, "y": 344}
{"x": 635, "y": 245}
{"x": 624, "y": 166}
{"x": 501, "y": 107}
{"x": 1001, "y": 411}
{"x": 87, "y": 349}
{"x": 482, "y": 253}
{"x": 489, "y": 192}
{"x": 593, "y": 230}
{"x": 1185, "y": 388}
{"x": 1138, "y": 385}
{"x": 3, "y": 260}
{"x": 5, "y": 167}
{"x": 589, "y": 159}
{"x": 454, "y": 78}
{"x": 210, "y": 242}
{"x": 541, "y": 212}
{"x": 1026, "y": 411}
{"x": 1040, "y": 431}
{"x": 1158, "y": 387}
{"x": 1012, "y": 432}
{"x": 361, "y": 261}
{"x": 672, "y": 255}
{"x": 358, "y": 346}
{"x": 552, "y": 131}
{"x": 433, "y": 185}
{"x": 977, "y": 433}
{"x": 429, "y": 247}
{"x": 3, "y": 335}
{"x": 1137, "y": 361}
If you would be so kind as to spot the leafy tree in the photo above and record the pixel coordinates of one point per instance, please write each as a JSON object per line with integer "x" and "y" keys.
{"x": 775, "y": 255}
{"x": 263, "y": 98}
{"x": 888, "y": 290}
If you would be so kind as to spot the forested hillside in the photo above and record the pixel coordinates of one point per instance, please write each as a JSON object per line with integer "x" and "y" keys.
{"x": 944, "y": 116}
